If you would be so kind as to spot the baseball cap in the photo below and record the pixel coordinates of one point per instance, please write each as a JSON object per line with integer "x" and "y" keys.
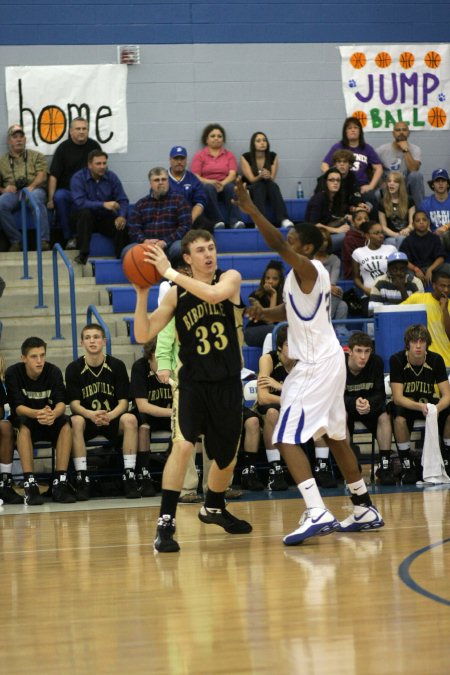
{"x": 178, "y": 151}
{"x": 15, "y": 129}
{"x": 438, "y": 173}
{"x": 397, "y": 257}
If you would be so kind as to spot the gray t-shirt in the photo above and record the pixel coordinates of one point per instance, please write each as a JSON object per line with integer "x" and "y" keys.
{"x": 393, "y": 159}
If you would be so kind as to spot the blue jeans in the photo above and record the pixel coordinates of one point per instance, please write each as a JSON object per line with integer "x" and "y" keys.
{"x": 63, "y": 207}
{"x": 9, "y": 202}
{"x": 212, "y": 209}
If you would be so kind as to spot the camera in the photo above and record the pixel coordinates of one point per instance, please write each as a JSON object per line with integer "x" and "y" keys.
{"x": 21, "y": 183}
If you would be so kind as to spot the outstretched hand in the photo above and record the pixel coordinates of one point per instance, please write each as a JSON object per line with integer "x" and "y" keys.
{"x": 255, "y": 311}
{"x": 155, "y": 255}
{"x": 242, "y": 196}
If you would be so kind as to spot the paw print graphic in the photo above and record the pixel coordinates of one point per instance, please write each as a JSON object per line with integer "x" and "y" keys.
{"x": 352, "y": 84}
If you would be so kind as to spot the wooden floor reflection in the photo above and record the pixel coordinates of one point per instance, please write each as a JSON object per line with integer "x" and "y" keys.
{"x": 83, "y": 592}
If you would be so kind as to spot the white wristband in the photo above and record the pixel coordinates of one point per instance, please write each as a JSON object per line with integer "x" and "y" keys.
{"x": 171, "y": 274}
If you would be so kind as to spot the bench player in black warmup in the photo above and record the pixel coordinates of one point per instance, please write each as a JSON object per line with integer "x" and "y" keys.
{"x": 208, "y": 398}
{"x": 97, "y": 390}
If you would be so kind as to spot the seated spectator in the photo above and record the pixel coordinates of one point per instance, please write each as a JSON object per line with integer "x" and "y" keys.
{"x": 437, "y": 206}
{"x": 423, "y": 248}
{"x": 437, "y": 307}
{"x": 395, "y": 210}
{"x": 70, "y": 156}
{"x": 7, "y": 493}
{"x": 36, "y": 395}
{"x": 100, "y": 205}
{"x": 396, "y": 285}
{"x": 338, "y": 308}
{"x": 367, "y": 167}
{"x": 405, "y": 157}
{"x": 97, "y": 391}
{"x": 186, "y": 184}
{"x": 259, "y": 167}
{"x": 343, "y": 160}
{"x": 370, "y": 261}
{"x": 274, "y": 367}
{"x": 365, "y": 399}
{"x": 269, "y": 294}
{"x": 327, "y": 210}
{"x": 163, "y": 215}
{"x": 354, "y": 238}
{"x": 416, "y": 375}
{"x": 22, "y": 168}
{"x": 217, "y": 169}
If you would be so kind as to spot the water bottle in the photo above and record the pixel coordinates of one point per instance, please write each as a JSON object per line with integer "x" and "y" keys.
{"x": 300, "y": 194}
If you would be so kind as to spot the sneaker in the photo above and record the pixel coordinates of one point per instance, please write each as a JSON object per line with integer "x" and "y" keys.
{"x": 7, "y": 493}
{"x": 32, "y": 496}
{"x": 385, "y": 474}
{"x": 224, "y": 519}
{"x": 250, "y": 480}
{"x": 287, "y": 223}
{"x": 233, "y": 493}
{"x": 409, "y": 474}
{"x": 362, "y": 518}
{"x": 71, "y": 244}
{"x": 45, "y": 246}
{"x": 238, "y": 225}
{"x": 82, "y": 486}
{"x": 15, "y": 247}
{"x": 322, "y": 474}
{"x": 130, "y": 486}
{"x": 62, "y": 492}
{"x": 146, "y": 485}
{"x": 164, "y": 541}
{"x": 277, "y": 481}
{"x": 219, "y": 226}
{"x": 313, "y": 522}
{"x": 190, "y": 498}
{"x": 81, "y": 258}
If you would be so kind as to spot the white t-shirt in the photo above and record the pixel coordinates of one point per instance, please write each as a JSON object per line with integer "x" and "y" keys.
{"x": 372, "y": 263}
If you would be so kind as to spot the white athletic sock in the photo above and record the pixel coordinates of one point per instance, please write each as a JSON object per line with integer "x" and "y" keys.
{"x": 446, "y": 443}
{"x": 322, "y": 453}
{"x": 359, "y": 488}
{"x": 403, "y": 447}
{"x": 5, "y": 468}
{"x": 272, "y": 455}
{"x": 129, "y": 461}
{"x": 311, "y": 495}
{"x": 80, "y": 463}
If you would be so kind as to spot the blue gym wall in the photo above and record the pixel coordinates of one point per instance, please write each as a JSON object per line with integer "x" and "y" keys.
{"x": 273, "y": 66}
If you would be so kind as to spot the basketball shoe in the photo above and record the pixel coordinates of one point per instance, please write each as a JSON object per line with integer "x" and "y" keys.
{"x": 322, "y": 474}
{"x": 82, "y": 486}
{"x": 362, "y": 518}
{"x": 277, "y": 481}
{"x": 7, "y": 492}
{"x": 225, "y": 519}
{"x": 385, "y": 473}
{"x": 250, "y": 479}
{"x": 32, "y": 495}
{"x": 314, "y": 521}
{"x": 130, "y": 486}
{"x": 164, "y": 541}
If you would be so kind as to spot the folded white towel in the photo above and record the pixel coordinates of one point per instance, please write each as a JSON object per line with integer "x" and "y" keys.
{"x": 433, "y": 465}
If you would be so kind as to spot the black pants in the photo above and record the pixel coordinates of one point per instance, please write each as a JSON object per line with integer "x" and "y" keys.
{"x": 102, "y": 221}
{"x": 266, "y": 191}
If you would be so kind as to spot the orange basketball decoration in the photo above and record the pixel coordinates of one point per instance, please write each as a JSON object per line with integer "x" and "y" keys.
{"x": 137, "y": 269}
{"x": 437, "y": 117}
{"x": 51, "y": 124}
{"x": 406, "y": 60}
{"x": 358, "y": 60}
{"x": 433, "y": 59}
{"x": 361, "y": 116}
{"x": 383, "y": 59}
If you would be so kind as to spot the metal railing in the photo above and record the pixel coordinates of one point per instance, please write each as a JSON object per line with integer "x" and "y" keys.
{"x": 92, "y": 310}
{"x": 57, "y": 249}
{"x": 27, "y": 196}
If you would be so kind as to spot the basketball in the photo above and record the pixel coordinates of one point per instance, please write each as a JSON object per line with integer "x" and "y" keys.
{"x": 383, "y": 60}
{"x": 432, "y": 59}
{"x": 406, "y": 60}
{"x": 358, "y": 60}
{"x": 51, "y": 124}
{"x": 437, "y": 117}
{"x": 361, "y": 116}
{"x": 137, "y": 269}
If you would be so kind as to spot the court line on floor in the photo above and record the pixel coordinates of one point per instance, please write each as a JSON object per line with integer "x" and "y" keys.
{"x": 406, "y": 577}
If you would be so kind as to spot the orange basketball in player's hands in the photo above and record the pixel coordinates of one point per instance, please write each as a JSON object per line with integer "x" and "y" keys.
{"x": 137, "y": 269}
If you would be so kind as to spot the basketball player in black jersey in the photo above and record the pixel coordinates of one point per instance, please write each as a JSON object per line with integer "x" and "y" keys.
{"x": 97, "y": 390}
{"x": 208, "y": 398}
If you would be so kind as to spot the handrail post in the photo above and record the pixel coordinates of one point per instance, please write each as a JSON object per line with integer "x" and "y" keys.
{"x": 57, "y": 249}
{"x": 37, "y": 215}
{"x": 92, "y": 310}
{"x": 23, "y": 213}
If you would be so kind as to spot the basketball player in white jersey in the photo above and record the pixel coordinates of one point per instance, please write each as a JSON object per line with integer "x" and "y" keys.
{"x": 312, "y": 399}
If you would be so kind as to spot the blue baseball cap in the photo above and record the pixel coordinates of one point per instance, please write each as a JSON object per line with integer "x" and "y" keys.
{"x": 438, "y": 173}
{"x": 178, "y": 151}
{"x": 397, "y": 257}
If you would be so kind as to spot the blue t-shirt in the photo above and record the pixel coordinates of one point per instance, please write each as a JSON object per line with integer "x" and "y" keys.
{"x": 438, "y": 212}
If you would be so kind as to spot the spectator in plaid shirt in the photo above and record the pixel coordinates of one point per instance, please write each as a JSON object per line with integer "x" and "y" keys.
{"x": 162, "y": 215}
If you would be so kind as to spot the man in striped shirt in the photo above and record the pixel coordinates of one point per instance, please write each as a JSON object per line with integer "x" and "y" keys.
{"x": 396, "y": 285}
{"x": 162, "y": 215}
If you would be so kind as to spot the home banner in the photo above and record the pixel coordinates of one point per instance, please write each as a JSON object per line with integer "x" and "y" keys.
{"x": 385, "y": 84}
{"x": 45, "y": 99}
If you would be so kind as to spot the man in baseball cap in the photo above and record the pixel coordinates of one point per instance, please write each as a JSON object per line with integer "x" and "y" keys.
{"x": 396, "y": 285}
{"x": 15, "y": 129}
{"x": 187, "y": 184}
{"x": 437, "y": 205}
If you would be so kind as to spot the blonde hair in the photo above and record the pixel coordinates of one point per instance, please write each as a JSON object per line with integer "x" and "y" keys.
{"x": 402, "y": 206}
{"x": 2, "y": 368}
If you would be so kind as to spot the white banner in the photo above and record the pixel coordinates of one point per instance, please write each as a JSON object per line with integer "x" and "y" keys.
{"x": 385, "y": 84}
{"x": 45, "y": 99}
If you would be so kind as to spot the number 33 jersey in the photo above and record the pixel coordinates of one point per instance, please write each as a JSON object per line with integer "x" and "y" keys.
{"x": 208, "y": 336}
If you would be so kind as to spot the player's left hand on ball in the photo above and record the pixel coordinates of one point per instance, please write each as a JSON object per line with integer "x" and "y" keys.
{"x": 157, "y": 257}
